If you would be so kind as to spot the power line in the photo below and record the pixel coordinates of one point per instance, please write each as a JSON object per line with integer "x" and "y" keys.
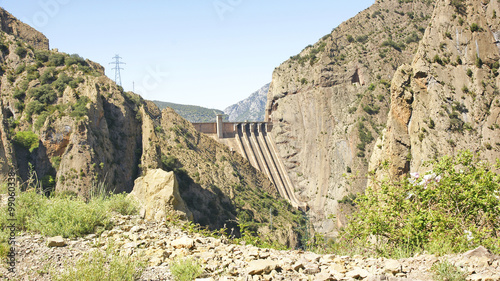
{"x": 117, "y": 62}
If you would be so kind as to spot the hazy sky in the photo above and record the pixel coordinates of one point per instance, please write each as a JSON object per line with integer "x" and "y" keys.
{"x": 211, "y": 53}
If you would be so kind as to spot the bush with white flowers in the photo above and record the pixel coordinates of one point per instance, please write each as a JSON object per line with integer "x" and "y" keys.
{"x": 451, "y": 208}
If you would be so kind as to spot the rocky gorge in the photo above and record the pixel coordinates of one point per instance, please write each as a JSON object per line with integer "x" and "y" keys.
{"x": 401, "y": 83}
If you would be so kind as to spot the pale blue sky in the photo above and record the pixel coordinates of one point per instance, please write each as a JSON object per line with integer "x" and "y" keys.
{"x": 211, "y": 53}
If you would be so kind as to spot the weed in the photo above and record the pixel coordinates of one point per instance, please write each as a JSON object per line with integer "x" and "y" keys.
{"x": 185, "y": 269}
{"x": 99, "y": 265}
{"x": 445, "y": 271}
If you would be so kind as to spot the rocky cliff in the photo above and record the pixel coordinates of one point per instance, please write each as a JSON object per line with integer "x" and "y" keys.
{"x": 68, "y": 128}
{"x": 447, "y": 99}
{"x": 251, "y": 108}
{"x": 12, "y": 26}
{"x": 329, "y": 103}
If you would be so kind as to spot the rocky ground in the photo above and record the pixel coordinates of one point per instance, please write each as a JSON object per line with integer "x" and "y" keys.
{"x": 159, "y": 244}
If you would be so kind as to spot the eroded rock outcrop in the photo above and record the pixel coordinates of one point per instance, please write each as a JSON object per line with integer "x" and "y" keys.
{"x": 12, "y": 26}
{"x": 447, "y": 99}
{"x": 157, "y": 192}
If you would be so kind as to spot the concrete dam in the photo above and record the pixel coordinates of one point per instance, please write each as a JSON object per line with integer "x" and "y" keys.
{"x": 252, "y": 141}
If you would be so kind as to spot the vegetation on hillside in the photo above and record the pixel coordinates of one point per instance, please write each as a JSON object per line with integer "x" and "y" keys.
{"x": 192, "y": 113}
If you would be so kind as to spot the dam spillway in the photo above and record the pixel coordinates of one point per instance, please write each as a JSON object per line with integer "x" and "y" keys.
{"x": 253, "y": 141}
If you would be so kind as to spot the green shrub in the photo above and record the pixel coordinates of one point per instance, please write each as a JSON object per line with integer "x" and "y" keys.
{"x": 42, "y": 55}
{"x": 349, "y": 199}
{"x": 185, "y": 269}
{"x": 479, "y": 62}
{"x": 41, "y": 120}
{"x": 62, "y": 82}
{"x": 432, "y": 124}
{"x": 67, "y": 216}
{"x": 364, "y": 134}
{"x": 56, "y": 59}
{"x": 122, "y": 204}
{"x": 44, "y": 94}
{"x": 350, "y": 39}
{"x": 73, "y": 84}
{"x": 19, "y": 94}
{"x": 453, "y": 208}
{"x": 21, "y": 52}
{"x": 75, "y": 59}
{"x": 170, "y": 163}
{"x": 437, "y": 59}
{"x": 456, "y": 124}
{"x": 56, "y": 161}
{"x": 99, "y": 265}
{"x": 445, "y": 271}
{"x": 134, "y": 98}
{"x": 371, "y": 109}
{"x": 412, "y": 38}
{"x": 34, "y": 107}
{"x": 11, "y": 78}
{"x": 24, "y": 85}
{"x": 20, "y": 69}
{"x": 48, "y": 76}
{"x": 474, "y": 27}
{"x": 362, "y": 39}
{"x": 389, "y": 43}
{"x": 28, "y": 204}
{"x": 80, "y": 108}
{"x": 31, "y": 77}
{"x": 70, "y": 218}
{"x": 459, "y": 6}
{"x": 4, "y": 245}
{"x": 27, "y": 139}
{"x": 19, "y": 106}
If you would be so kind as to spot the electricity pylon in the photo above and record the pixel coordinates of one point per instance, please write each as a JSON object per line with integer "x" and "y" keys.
{"x": 117, "y": 62}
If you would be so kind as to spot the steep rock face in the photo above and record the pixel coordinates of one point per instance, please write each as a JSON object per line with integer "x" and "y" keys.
{"x": 251, "y": 108}
{"x": 447, "y": 99}
{"x": 12, "y": 26}
{"x": 329, "y": 103}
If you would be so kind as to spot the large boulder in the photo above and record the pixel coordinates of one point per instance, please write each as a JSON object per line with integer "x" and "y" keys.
{"x": 158, "y": 194}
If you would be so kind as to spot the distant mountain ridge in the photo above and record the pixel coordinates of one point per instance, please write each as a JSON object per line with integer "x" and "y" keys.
{"x": 251, "y": 108}
{"x": 192, "y": 113}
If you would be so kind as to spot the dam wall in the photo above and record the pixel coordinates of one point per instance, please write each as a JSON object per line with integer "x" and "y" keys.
{"x": 252, "y": 141}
